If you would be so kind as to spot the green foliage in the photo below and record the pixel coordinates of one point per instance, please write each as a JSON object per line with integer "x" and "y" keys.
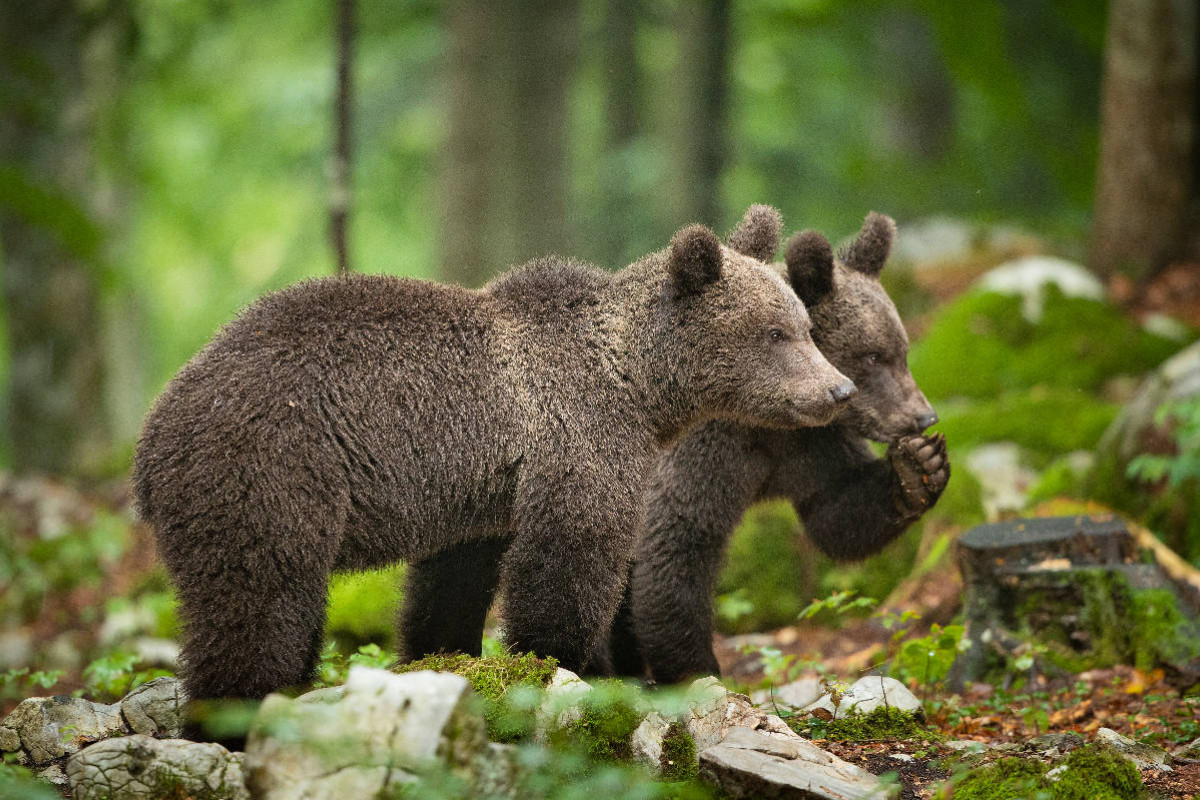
{"x": 928, "y": 659}
{"x": 18, "y": 783}
{"x": 113, "y": 676}
{"x": 333, "y": 667}
{"x": 1093, "y": 772}
{"x": 980, "y": 346}
{"x": 509, "y": 685}
{"x": 1045, "y": 422}
{"x": 17, "y": 683}
{"x": 838, "y": 603}
{"x": 363, "y": 606}
{"x": 612, "y": 711}
{"x": 1182, "y": 467}
{"x": 764, "y": 566}
{"x": 678, "y": 759}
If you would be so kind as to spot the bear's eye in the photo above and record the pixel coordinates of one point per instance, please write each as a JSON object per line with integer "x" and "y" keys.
{"x": 872, "y": 358}
{"x": 776, "y": 335}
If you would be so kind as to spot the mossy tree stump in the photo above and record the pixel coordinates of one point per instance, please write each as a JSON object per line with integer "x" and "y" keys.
{"x": 1075, "y": 592}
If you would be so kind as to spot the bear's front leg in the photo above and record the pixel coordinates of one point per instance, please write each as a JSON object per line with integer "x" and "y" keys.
{"x": 563, "y": 576}
{"x": 922, "y": 469}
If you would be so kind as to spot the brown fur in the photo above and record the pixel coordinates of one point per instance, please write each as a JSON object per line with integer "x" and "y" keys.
{"x": 349, "y": 423}
{"x": 852, "y": 503}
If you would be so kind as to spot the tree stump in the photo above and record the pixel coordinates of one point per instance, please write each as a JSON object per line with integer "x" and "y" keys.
{"x": 1074, "y": 593}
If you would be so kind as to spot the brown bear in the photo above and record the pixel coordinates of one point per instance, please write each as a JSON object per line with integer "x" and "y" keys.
{"x": 851, "y": 502}
{"x": 349, "y": 423}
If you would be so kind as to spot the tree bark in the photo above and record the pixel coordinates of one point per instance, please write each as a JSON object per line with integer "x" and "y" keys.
{"x": 704, "y": 32}
{"x": 1145, "y": 177}
{"x": 339, "y": 202}
{"x": 59, "y": 76}
{"x": 470, "y": 153}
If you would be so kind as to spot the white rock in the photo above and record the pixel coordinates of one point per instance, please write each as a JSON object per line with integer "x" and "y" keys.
{"x": 1143, "y": 756}
{"x": 155, "y": 708}
{"x": 1004, "y": 482}
{"x": 385, "y": 728}
{"x": 753, "y": 764}
{"x": 561, "y": 703}
{"x": 933, "y": 240}
{"x": 905, "y": 757}
{"x": 144, "y": 768}
{"x": 796, "y": 694}
{"x": 647, "y": 741}
{"x": 714, "y": 711}
{"x": 156, "y": 652}
{"x": 1027, "y": 278}
{"x": 52, "y": 727}
{"x": 867, "y": 694}
{"x": 54, "y": 775}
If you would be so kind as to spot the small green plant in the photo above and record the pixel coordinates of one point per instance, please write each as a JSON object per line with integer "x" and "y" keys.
{"x": 333, "y": 667}
{"x": 18, "y": 783}
{"x": 928, "y": 659}
{"x": 20, "y": 682}
{"x": 1183, "y": 417}
{"x": 838, "y": 604}
{"x": 113, "y": 676}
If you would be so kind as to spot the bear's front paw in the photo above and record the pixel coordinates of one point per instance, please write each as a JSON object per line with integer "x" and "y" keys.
{"x": 922, "y": 470}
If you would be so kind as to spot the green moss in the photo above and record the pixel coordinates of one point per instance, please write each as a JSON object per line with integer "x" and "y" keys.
{"x": 1006, "y": 779}
{"x": 881, "y": 724}
{"x": 981, "y": 346}
{"x": 1097, "y": 773}
{"x": 767, "y": 565}
{"x": 1044, "y": 421}
{"x": 1093, "y": 772}
{"x": 509, "y": 687}
{"x": 678, "y": 760}
{"x": 362, "y": 607}
{"x": 1094, "y": 618}
{"x": 611, "y": 712}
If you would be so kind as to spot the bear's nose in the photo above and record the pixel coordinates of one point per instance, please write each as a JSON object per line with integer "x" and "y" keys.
{"x": 925, "y": 420}
{"x": 843, "y": 391}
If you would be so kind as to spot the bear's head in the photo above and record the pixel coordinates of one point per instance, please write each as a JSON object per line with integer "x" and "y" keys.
{"x": 750, "y": 352}
{"x": 858, "y": 329}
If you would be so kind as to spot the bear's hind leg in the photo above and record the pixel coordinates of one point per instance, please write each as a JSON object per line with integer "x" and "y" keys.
{"x": 447, "y": 597}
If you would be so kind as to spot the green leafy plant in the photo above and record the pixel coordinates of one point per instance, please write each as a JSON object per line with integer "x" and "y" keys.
{"x": 838, "y": 603}
{"x": 1183, "y": 417}
{"x": 113, "y": 676}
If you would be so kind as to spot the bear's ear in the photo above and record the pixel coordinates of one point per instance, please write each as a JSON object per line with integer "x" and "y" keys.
{"x": 757, "y": 235}
{"x": 695, "y": 259}
{"x": 870, "y": 249}
{"x": 810, "y": 267}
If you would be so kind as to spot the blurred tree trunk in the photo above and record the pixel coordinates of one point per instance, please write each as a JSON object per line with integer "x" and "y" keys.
{"x": 919, "y": 113}
{"x": 543, "y": 38}
{"x": 59, "y": 70}
{"x": 505, "y": 178}
{"x": 339, "y": 201}
{"x": 1145, "y": 180}
{"x": 621, "y": 97}
{"x": 704, "y": 33}
{"x": 470, "y": 151}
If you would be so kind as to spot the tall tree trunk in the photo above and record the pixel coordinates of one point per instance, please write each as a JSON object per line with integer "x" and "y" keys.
{"x": 339, "y": 202}
{"x": 544, "y": 38}
{"x": 58, "y": 75}
{"x": 621, "y": 97}
{"x": 1148, "y": 122}
{"x": 470, "y": 154}
{"x": 704, "y": 34}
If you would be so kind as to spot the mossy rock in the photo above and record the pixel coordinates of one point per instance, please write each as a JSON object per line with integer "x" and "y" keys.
{"x": 610, "y": 713}
{"x": 509, "y": 686}
{"x": 1092, "y": 772}
{"x": 678, "y": 759}
{"x": 980, "y": 346}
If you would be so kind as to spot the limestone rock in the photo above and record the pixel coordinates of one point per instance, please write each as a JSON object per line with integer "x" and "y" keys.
{"x": 54, "y": 776}
{"x": 1028, "y": 277}
{"x": 1143, "y": 756}
{"x": 714, "y": 711}
{"x": 385, "y": 729}
{"x": 560, "y": 706}
{"x": 154, "y": 708}
{"x": 867, "y": 694}
{"x": 647, "y": 741}
{"x": 796, "y": 694}
{"x": 10, "y": 740}
{"x": 53, "y": 727}
{"x": 753, "y": 764}
{"x": 141, "y": 767}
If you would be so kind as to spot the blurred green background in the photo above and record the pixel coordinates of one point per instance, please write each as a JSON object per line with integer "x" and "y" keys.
{"x": 165, "y": 162}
